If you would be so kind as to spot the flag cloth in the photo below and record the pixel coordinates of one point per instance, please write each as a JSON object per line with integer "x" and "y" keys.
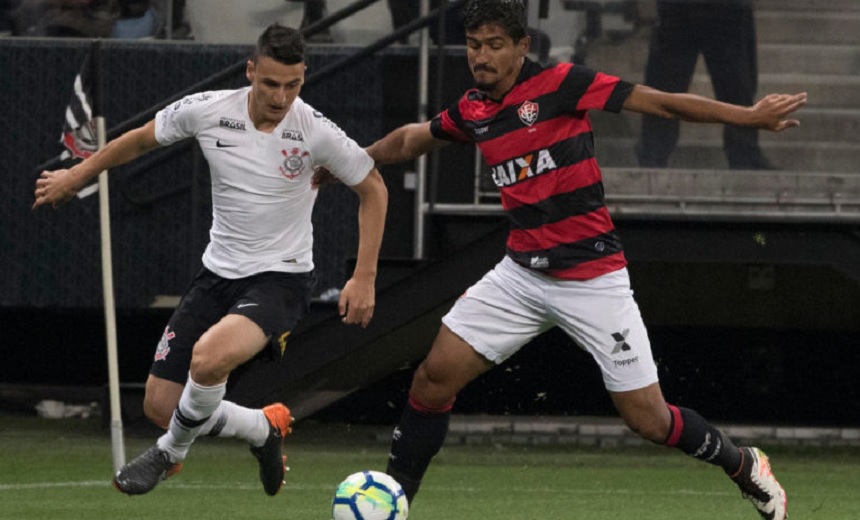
{"x": 80, "y": 133}
{"x": 80, "y": 136}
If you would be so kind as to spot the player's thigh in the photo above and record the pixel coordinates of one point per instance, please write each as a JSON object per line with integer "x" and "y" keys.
{"x": 276, "y": 302}
{"x": 502, "y": 312}
{"x": 229, "y": 343}
{"x": 602, "y": 318}
{"x": 199, "y": 309}
{"x": 451, "y": 365}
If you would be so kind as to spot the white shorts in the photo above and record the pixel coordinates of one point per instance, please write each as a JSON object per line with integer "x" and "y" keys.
{"x": 511, "y": 305}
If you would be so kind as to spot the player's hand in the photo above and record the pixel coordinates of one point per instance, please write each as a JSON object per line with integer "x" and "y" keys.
{"x": 54, "y": 188}
{"x": 357, "y": 301}
{"x": 322, "y": 177}
{"x": 770, "y": 112}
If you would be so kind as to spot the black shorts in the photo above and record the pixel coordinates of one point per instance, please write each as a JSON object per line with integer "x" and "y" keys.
{"x": 274, "y": 301}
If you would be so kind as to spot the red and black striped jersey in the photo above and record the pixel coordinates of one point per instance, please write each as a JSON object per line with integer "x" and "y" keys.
{"x": 538, "y": 142}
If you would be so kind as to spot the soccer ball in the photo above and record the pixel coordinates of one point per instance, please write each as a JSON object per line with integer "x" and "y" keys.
{"x": 369, "y": 495}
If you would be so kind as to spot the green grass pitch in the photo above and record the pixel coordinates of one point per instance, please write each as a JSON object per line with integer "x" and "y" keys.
{"x": 61, "y": 470}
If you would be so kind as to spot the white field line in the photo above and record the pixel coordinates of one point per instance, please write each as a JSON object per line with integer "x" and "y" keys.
{"x": 243, "y": 486}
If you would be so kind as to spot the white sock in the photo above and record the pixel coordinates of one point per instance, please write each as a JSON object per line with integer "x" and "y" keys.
{"x": 196, "y": 406}
{"x": 232, "y": 420}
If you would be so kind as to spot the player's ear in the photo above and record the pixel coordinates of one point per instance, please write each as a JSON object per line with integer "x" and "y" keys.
{"x": 523, "y": 46}
{"x": 249, "y": 70}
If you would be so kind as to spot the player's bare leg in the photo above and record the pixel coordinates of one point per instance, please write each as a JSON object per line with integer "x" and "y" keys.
{"x": 161, "y": 399}
{"x": 450, "y": 366}
{"x": 646, "y": 413}
{"x": 227, "y": 344}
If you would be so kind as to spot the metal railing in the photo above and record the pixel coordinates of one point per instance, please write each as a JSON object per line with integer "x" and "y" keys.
{"x": 738, "y": 195}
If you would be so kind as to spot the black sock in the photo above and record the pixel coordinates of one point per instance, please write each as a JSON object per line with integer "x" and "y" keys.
{"x": 692, "y": 434}
{"x": 416, "y": 440}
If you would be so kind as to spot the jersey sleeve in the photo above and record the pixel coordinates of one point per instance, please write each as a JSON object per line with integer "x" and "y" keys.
{"x": 586, "y": 89}
{"x": 180, "y": 120}
{"x": 339, "y": 153}
{"x": 447, "y": 125}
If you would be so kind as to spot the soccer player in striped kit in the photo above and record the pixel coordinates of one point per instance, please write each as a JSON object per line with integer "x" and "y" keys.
{"x": 565, "y": 264}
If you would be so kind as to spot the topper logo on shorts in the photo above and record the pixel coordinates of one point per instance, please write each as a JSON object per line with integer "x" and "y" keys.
{"x": 621, "y": 345}
{"x": 521, "y": 168}
{"x": 163, "y": 347}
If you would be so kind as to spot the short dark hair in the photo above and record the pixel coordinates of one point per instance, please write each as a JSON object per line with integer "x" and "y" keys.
{"x": 510, "y": 15}
{"x": 282, "y": 44}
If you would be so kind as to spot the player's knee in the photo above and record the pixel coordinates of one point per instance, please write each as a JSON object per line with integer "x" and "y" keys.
{"x": 209, "y": 366}
{"x": 432, "y": 390}
{"x": 649, "y": 428}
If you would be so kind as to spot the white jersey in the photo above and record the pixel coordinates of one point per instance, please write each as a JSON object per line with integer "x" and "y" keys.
{"x": 261, "y": 182}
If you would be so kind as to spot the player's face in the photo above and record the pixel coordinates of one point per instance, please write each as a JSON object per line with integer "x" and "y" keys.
{"x": 494, "y": 58}
{"x": 274, "y": 87}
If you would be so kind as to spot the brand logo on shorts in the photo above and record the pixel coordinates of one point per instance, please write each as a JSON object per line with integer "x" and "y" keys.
{"x": 163, "y": 347}
{"x": 282, "y": 342}
{"x": 621, "y": 345}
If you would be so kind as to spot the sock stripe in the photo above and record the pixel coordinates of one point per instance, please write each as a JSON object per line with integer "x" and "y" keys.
{"x": 676, "y": 427}
{"x": 738, "y": 472}
{"x": 419, "y": 407}
{"x": 188, "y": 422}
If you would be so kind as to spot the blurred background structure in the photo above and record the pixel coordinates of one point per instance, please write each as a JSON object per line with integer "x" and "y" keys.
{"x": 749, "y": 280}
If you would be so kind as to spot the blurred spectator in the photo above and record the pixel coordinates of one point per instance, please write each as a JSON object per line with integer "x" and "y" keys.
{"x": 403, "y": 12}
{"x": 7, "y": 9}
{"x": 179, "y": 29}
{"x": 137, "y": 19}
{"x": 723, "y": 31}
{"x": 315, "y": 10}
{"x": 65, "y": 18}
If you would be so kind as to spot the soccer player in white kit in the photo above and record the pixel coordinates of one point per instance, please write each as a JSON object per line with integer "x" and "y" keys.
{"x": 262, "y": 143}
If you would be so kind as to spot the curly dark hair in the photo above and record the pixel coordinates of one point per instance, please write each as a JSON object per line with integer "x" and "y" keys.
{"x": 281, "y": 43}
{"x": 510, "y": 15}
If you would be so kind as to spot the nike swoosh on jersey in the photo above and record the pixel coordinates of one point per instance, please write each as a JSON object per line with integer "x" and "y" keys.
{"x": 247, "y": 305}
{"x": 219, "y": 144}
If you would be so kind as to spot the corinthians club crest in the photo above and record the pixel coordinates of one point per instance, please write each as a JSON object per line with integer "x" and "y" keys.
{"x": 528, "y": 113}
{"x": 294, "y": 162}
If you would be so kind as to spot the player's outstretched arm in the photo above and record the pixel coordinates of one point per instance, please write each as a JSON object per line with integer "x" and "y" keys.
{"x": 59, "y": 186}
{"x": 770, "y": 113}
{"x": 404, "y": 143}
{"x": 358, "y": 297}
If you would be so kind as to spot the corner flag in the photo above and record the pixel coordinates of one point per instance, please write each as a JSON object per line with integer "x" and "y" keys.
{"x": 80, "y": 133}
{"x": 84, "y": 133}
